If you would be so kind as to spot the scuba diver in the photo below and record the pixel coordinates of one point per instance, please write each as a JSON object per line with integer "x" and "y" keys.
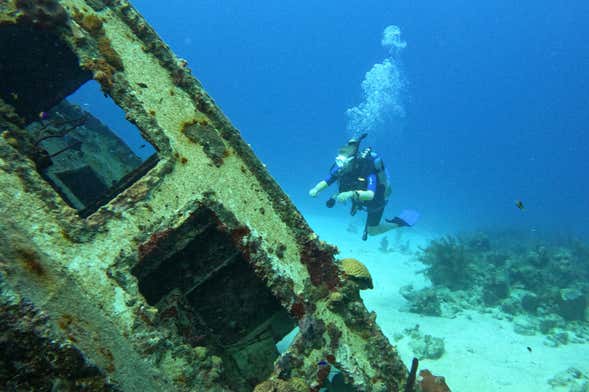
{"x": 363, "y": 179}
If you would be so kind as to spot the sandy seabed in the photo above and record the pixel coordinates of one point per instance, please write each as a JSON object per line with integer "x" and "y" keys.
{"x": 482, "y": 353}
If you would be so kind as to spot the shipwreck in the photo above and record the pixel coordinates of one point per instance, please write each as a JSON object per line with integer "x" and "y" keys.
{"x": 175, "y": 269}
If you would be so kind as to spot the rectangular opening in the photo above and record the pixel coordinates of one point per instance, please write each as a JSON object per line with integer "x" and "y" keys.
{"x": 80, "y": 140}
{"x": 206, "y": 290}
{"x": 90, "y": 160}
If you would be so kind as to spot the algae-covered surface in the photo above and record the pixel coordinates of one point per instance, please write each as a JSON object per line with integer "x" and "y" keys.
{"x": 181, "y": 274}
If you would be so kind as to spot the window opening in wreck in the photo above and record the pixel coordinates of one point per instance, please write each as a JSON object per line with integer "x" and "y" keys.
{"x": 209, "y": 295}
{"x": 287, "y": 340}
{"x": 90, "y": 160}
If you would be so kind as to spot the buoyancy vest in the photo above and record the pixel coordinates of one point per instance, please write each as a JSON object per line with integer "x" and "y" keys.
{"x": 366, "y": 163}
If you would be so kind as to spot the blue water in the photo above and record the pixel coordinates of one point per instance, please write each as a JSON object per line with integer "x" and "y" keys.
{"x": 495, "y": 99}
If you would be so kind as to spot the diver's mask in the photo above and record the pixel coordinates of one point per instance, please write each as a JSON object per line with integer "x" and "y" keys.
{"x": 347, "y": 153}
{"x": 343, "y": 161}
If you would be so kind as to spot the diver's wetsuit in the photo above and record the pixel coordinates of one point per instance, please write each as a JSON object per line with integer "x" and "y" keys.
{"x": 362, "y": 176}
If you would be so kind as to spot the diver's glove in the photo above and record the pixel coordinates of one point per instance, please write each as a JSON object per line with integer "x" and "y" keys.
{"x": 342, "y": 197}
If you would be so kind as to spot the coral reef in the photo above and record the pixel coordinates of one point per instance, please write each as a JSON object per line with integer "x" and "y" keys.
{"x": 573, "y": 379}
{"x": 542, "y": 287}
{"x": 449, "y": 263}
{"x": 424, "y": 346}
{"x": 425, "y": 301}
{"x": 397, "y": 245}
{"x": 384, "y": 246}
{"x": 428, "y": 347}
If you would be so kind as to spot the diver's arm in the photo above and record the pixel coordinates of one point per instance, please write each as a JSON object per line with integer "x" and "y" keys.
{"x": 370, "y": 191}
{"x": 318, "y": 188}
{"x": 354, "y": 195}
{"x": 364, "y": 195}
{"x": 360, "y": 195}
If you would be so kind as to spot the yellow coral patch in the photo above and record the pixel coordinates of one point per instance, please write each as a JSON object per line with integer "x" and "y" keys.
{"x": 356, "y": 270}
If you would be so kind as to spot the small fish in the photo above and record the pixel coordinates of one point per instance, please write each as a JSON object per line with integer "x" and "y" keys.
{"x": 529, "y": 349}
{"x": 43, "y": 115}
{"x": 323, "y": 362}
{"x": 142, "y": 146}
{"x": 142, "y": 85}
{"x": 519, "y": 204}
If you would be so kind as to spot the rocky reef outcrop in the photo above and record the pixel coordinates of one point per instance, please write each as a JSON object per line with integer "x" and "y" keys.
{"x": 542, "y": 286}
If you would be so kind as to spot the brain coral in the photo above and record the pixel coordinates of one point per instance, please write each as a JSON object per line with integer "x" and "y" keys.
{"x": 357, "y": 272}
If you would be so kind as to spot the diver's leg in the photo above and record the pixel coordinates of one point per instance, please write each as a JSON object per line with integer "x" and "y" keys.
{"x": 381, "y": 228}
{"x": 373, "y": 224}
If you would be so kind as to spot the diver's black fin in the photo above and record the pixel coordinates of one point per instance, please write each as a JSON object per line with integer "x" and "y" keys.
{"x": 405, "y": 218}
{"x": 398, "y": 221}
